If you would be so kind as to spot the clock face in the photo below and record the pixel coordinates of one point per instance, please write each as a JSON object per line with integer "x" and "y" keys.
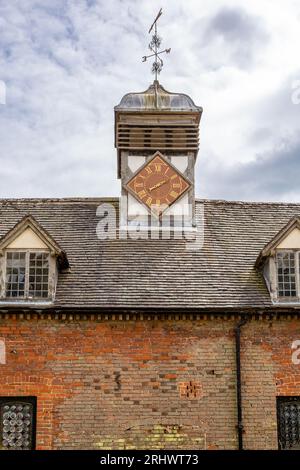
{"x": 158, "y": 185}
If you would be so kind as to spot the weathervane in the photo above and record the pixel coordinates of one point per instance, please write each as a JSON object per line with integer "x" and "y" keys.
{"x": 154, "y": 45}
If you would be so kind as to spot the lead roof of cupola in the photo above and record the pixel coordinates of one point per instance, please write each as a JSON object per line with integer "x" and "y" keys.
{"x": 157, "y": 98}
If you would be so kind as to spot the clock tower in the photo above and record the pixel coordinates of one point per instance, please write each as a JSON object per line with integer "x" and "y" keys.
{"x": 157, "y": 140}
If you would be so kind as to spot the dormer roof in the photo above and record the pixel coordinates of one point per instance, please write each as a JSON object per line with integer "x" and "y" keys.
{"x": 29, "y": 222}
{"x": 268, "y": 250}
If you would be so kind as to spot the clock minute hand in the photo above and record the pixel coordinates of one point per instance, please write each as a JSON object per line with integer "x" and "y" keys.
{"x": 158, "y": 185}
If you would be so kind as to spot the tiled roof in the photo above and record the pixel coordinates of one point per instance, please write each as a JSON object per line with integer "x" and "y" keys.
{"x": 131, "y": 274}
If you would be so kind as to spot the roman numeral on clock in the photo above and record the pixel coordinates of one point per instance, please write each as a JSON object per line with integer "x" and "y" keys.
{"x": 142, "y": 193}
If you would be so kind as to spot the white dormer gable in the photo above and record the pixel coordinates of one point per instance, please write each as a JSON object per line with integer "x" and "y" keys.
{"x": 279, "y": 262}
{"x": 30, "y": 261}
{"x": 291, "y": 241}
{"x": 29, "y": 234}
{"x": 28, "y": 239}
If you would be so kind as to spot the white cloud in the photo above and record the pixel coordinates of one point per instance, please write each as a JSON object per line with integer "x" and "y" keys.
{"x": 66, "y": 64}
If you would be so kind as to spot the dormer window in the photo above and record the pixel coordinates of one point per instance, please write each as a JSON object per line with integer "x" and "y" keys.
{"x": 27, "y": 274}
{"x": 279, "y": 262}
{"x": 30, "y": 263}
{"x": 38, "y": 275}
{"x": 15, "y": 274}
{"x": 287, "y": 269}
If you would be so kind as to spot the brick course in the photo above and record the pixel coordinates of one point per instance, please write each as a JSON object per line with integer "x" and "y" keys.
{"x": 118, "y": 384}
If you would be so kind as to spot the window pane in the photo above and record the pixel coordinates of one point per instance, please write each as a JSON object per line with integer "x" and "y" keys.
{"x": 39, "y": 271}
{"x": 286, "y": 274}
{"x": 288, "y": 409}
{"x": 17, "y": 423}
{"x": 15, "y": 274}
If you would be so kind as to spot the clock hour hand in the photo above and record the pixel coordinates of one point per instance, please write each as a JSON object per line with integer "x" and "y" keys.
{"x": 158, "y": 185}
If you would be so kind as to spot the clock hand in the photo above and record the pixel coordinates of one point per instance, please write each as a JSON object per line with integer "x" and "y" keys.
{"x": 158, "y": 185}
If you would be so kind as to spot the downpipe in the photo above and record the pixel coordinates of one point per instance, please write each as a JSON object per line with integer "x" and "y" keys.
{"x": 240, "y": 427}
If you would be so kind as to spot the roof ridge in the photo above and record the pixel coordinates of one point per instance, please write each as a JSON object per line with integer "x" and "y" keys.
{"x": 62, "y": 199}
{"x": 238, "y": 202}
{"x": 94, "y": 199}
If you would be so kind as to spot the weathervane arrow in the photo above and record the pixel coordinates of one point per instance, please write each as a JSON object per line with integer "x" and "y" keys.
{"x": 154, "y": 46}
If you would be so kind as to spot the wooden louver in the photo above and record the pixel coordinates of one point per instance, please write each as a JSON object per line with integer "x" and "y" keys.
{"x": 179, "y": 137}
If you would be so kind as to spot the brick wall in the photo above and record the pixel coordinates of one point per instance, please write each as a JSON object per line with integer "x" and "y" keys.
{"x": 268, "y": 371}
{"x": 149, "y": 384}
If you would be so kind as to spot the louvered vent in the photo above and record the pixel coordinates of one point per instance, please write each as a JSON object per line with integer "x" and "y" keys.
{"x": 132, "y": 136}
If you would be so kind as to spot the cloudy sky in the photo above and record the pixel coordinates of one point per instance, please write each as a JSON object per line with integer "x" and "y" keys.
{"x": 67, "y": 63}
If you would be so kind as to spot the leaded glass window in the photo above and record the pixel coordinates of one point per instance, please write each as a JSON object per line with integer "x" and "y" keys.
{"x": 286, "y": 271}
{"x": 38, "y": 274}
{"x": 17, "y": 423}
{"x": 27, "y": 274}
{"x": 288, "y": 409}
{"x": 15, "y": 274}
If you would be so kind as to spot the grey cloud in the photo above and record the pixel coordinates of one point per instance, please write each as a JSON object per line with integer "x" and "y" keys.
{"x": 276, "y": 117}
{"x": 273, "y": 133}
{"x": 261, "y": 134}
{"x": 241, "y": 33}
{"x": 234, "y": 24}
{"x": 272, "y": 176}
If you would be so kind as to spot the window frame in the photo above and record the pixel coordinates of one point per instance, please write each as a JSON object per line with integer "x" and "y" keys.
{"x": 27, "y": 296}
{"x": 281, "y": 400}
{"x": 23, "y": 399}
{"x": 289, "y": 298}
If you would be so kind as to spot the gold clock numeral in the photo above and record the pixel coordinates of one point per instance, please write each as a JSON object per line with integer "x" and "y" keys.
{"x": 174, "y": 176}
{"x": 148, "y": 169}
{"x": 142, "y": 194}
{"x": 157, "y": 202}
{"x": 149, "y": 201}
{"x": 167, "y": 170}
{"x": 139, "y": 185}
{"x": 158, "y": 167}
{"x": 173, "y": 194}
{"x": 176, "y": 185}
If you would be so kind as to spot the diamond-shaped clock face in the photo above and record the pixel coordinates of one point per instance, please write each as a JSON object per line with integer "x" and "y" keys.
{"x": 158, "y": 185}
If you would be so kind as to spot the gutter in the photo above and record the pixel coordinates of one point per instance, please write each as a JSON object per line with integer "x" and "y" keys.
{"x": 240, "y": 427}
{"x": 57, "y": 308}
